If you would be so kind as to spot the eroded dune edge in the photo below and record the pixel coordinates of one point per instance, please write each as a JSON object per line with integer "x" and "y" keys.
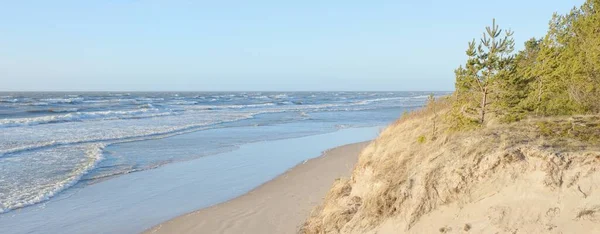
{"x": 535, "y": 176}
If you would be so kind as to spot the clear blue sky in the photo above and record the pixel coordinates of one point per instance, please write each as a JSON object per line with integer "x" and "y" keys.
{"x": 250, "y": 45}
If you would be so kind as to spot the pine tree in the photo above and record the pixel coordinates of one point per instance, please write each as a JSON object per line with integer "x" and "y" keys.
{"x": 567, "y": 68}
{"x": 557, "y": 75}
{"x": 514, "y": 89}
{"x": 488, "y": 62}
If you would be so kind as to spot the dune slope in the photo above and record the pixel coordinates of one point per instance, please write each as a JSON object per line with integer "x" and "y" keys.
{"x": 534, "y": 176}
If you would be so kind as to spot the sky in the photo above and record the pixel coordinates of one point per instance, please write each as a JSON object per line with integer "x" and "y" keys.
{"x": 261, "y": 45}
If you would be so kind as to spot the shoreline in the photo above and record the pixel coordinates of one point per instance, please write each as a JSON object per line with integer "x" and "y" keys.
{"x": 279, "y": 205}
{"x": 169, "y": 191}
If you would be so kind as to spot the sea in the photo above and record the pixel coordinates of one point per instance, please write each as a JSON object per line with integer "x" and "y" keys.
{"x": 52, "y": 142}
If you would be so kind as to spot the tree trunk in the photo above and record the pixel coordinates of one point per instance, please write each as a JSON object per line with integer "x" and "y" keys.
{"x": 483, "y": 104}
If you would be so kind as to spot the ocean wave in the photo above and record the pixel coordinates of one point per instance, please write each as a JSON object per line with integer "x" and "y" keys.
{"x": 258, "y": 105}
{"x": 11, "y": 149}
{"x": 304, "y": 114}
{"x": 38, "y": 104}
{"x": 37, "y": 145}
{"x": 241, "y": 106}
{"x": 119, "y": 100}
{"x": 119, "y": 94}
{"x": 342, "y": 126}
{"x": 63, "y": 110}
{"x": 14, "y": 100}
{"x": 182, "y": 102}
{"x": 83, "y": 116}
{"x": 147, "y": 99}
{"x": 42, "y": 192}
{"x": 57, "y": 110}
{"x": 120, "y": 171}
{"x": 369, "y": 101}
{"x": 146, "y": 106}
{"x": 62, "y": 100}
{"x": 98, "y": 178}
{"x": 178, "y": 116}
{"x": 279, "y": 96}
{"x": 285, "y": 103}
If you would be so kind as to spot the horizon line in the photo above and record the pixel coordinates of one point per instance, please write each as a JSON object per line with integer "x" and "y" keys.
{"x": 213, "y": 91}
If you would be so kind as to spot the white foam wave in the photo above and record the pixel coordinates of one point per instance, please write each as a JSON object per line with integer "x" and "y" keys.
{"x": 146, "y": 106}
{"x": 110, "y": 100}
{"x": 215, "y": 107}
{"x": 108, "y": 135}
{"x": 37, "y": 145}
{"x": 342, "y": 126}
{"x": 47, "y": 188}
{"x": 149, "y": 99}
{"x": 38, "y": 104}
{"x": 257, "y": 105}
{"x": 369, "y": 101}
{"x": 83, "y": 116}
{"x": 62, "y": 100}
{"x": 9, "y": 100}
{"x": 183, "y": 102}
{"x": 278, "y": 96}
{"x": 64, "y": 110}
{"x": 119, "y": 94}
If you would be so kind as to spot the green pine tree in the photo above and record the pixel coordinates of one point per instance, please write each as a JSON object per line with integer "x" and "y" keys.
{"x": 489, "y": 61}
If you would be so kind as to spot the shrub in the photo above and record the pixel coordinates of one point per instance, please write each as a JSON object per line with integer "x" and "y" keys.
{"x": 421, "y": 139}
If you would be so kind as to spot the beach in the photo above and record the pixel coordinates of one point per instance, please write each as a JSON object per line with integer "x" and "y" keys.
{"x": 306, "y": 117}
{"x": 161, "y": 194}
{"x": 278, "y": 206}
{"x": 89, "y": 161}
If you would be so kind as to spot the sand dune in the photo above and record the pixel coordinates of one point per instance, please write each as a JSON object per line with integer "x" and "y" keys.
{"x": 540, "y": 175}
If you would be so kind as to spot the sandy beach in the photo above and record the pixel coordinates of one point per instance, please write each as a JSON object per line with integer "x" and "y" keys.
{"x": 278, "y": 206}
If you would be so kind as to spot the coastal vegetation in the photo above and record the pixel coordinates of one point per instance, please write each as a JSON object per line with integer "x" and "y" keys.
{"x": 515, "y": 149}
{"x": 556, "y": 75}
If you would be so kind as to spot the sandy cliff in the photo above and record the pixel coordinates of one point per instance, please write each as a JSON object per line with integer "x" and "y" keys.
{"x": 534, "y": 176}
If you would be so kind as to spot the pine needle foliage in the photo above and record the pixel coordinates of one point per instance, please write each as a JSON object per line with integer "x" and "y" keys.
{"x": 558, "y": 74}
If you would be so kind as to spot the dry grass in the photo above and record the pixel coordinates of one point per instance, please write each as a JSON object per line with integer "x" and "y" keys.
{"x": 588, "y": 213}
{"x": 582, "y": 128}
{"x": 398, "y": 175}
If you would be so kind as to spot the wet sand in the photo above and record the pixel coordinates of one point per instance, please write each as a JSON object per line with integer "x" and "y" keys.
{"x": 278, "y": 206}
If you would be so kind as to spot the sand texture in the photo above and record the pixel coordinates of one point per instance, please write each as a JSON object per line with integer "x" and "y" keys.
{"x": 535, "y": 176}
